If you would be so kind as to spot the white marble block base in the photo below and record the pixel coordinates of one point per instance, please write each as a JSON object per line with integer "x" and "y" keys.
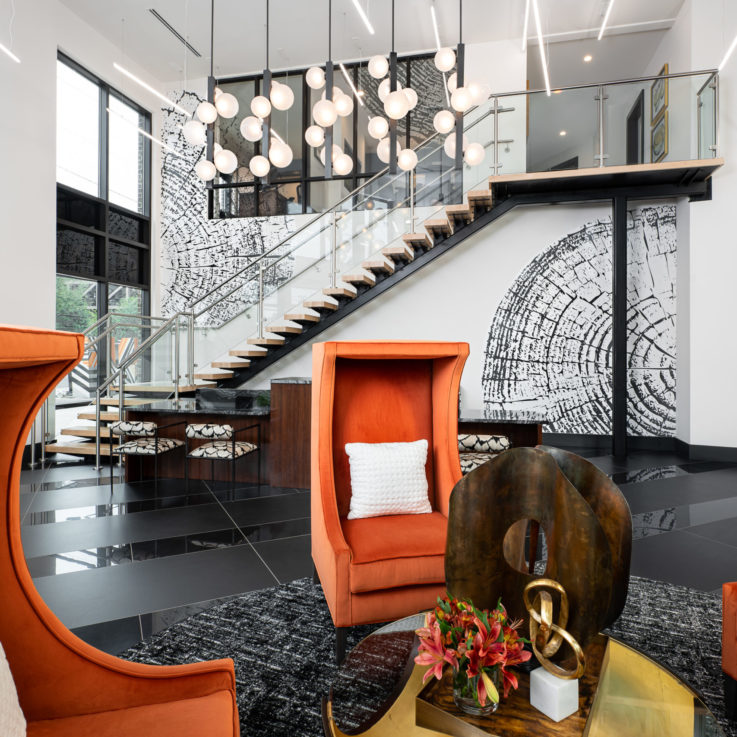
{"x": 555, "y": 697}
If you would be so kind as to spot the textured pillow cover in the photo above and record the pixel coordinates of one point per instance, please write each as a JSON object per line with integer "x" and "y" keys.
{"x": 12, "y": 721}
{"x": 483, "y": 443}
{"x": 388, "y": 478}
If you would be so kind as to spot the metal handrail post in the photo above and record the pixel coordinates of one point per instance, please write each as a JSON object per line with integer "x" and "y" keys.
{"x": 334, "y": 254}
{"x": 44, "y": 412}
{"x": 176, "y": 360}
{"x": 98, "y": 398}
{"x": 121, "y": 407}
{"x": 716, "y": 115}
{"x": 600, "y": 98}
{"x": 190, "y": 348}
{"x": 495, "y": 166}
{"x": 32, "y": 464}
{"x": 260, "y": 301}
{"x": 412, "y": 184}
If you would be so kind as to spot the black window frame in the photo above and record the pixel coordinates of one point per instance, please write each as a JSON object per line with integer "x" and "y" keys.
{"x": 354, "y": 178}
{"x": 104, "y": 234}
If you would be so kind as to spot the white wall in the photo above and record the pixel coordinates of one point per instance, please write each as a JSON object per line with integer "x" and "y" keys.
{"x": 28, "y": 150}
{"x": 707, "y": 403}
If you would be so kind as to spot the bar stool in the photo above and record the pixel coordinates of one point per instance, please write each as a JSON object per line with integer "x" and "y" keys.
{"x": 221, "y": 446}
{"x": 147, "y": 442}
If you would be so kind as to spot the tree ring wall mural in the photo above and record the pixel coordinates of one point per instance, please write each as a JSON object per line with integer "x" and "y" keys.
{"x": 197, "y": 253}
{"x": 549, "y": 347}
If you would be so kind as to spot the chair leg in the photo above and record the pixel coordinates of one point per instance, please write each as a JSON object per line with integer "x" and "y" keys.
{"x": 341, "y": 637}
{"x": 730, "y": 697}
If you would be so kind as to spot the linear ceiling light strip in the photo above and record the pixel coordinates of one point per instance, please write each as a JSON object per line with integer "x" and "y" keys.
{"x": 606, "y": 19}
{"x": 541, "y": 46}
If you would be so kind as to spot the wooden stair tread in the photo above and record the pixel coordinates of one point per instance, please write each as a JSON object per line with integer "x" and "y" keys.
{"x": 401, "y": 252}
{"x": 285, "y": 329}
{"x": 384, "y": 265}
{"x": 340, "y": 291}
{"x": 459, "y": 212}
{"x": 418, "y": 239}
{"x": 248, "y": 353}
{"x": 127, "y": 402}
{"x": 302, "y": 317}
{"x": 83, "y": 448}
{"x": 360, "y": 277}
{"x": 479, "y": 196}
{"x": 104, "y": 416}
{"x": 321, "y": 304}
{"x": 267, "y": 340}
{"x": 86, "y": 431}
{"x": 440, "y": 225}
{"x": 230, "y": 364}
{"x": 215, "y": 375}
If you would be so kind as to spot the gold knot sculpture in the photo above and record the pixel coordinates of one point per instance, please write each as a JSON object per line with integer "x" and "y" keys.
{"x": 545, "y": 635}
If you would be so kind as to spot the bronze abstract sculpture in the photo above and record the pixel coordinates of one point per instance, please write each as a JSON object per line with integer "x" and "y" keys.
{"x": 585, "y": 520}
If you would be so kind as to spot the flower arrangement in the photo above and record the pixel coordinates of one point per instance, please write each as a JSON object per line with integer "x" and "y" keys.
{"x": 479, "y": 645}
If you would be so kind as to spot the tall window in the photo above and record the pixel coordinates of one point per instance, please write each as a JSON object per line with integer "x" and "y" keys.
{"x": 103, "y": 231}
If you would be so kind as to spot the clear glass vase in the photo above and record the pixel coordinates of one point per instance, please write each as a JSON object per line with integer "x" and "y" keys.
{"x": 465, "y": 694}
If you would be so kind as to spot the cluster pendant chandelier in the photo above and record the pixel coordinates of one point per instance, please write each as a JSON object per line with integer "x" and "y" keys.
{"x": 334, "y": 103}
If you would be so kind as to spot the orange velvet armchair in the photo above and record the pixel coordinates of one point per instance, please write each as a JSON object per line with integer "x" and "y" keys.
{"x": 381, "y": 568}
{"x": 729, "y": 647}
{"x": 67, "y": 688}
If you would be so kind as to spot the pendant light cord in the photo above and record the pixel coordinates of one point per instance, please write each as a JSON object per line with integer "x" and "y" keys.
{"x": 330, "y": 30}
{"x": 392, "y": 26}
{"x": 212, "y": 37}
{"x": 460, "y": 21}
{"x": 267, "y": 34}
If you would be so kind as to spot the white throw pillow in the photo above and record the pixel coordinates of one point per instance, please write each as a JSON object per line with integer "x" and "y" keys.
{"x": 12, "y": 721}
{"x": 388, "y": 478}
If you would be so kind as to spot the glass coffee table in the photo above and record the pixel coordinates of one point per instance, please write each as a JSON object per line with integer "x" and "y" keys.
{"x": 622, "y": 694}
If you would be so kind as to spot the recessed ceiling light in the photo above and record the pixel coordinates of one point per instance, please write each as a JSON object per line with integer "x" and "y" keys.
{"x": 563, "y": 133}
{"x": 588, "y": 58}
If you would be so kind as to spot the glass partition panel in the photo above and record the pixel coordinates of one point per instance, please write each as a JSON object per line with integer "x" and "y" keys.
{"x": 562, "y": 130}
{"x": 707, "y": 121}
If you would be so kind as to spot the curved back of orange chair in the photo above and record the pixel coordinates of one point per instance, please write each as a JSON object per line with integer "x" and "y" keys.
{"x": 57, "y": 674}
{"x": 375, "y": 392}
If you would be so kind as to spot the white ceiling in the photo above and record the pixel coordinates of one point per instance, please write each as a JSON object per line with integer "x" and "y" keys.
{"x": 299, "y": 36}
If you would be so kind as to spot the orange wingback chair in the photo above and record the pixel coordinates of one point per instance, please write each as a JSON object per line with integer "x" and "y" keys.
{"x": 381, "y": 568}
{"x": 729, "y": 647}
{"x": 67, "y": 688}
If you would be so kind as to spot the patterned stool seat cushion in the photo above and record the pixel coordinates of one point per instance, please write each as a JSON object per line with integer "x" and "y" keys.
{"x": 147, "y": 446}
{"x": 483, "y": 443}
{"x": 469, "y": 461}
{"x": 128, "y": 427}
{"x": 222, "y": 449}
{"x": 210, "y": 432}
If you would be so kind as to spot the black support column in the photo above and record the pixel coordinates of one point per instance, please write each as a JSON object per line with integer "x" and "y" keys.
{"x": 619, "y": 327}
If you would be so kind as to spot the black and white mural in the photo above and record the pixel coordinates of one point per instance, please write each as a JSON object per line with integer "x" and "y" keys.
{"x": 549, "y": 344}
{"x": 197, "y": 254}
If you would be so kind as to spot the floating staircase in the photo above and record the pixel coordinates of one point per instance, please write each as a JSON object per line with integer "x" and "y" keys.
{"x": 393, "y": 263}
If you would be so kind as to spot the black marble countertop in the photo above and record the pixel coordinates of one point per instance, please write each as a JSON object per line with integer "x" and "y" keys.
{"x": 193, "y": 406}
{"x": 512, "y": 417}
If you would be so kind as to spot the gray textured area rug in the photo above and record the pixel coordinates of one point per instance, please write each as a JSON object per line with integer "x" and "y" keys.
{"x": 282, "y": 641}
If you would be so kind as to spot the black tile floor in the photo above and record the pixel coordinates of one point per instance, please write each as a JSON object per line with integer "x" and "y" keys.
{"x": 118, "y": 563}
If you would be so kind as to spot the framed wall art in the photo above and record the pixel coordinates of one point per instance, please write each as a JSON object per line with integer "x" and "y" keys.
{"x": 659, "y": 139}
{"x": 658, "y": 96}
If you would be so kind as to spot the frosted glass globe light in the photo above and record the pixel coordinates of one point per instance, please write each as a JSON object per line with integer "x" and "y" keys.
{"x": 474, "y": 154}
{"x": 444, "y": 121}
{"x": 452, "y": 83}
{"x": 385, "y": 89}
{"x": 378, "y": 127}
{"x": 378, "y": 66}
{"x": 280, "y": 154}
{"x": 396, "y": 105}
{"x": 315, "y": 136}
{"x": 260, "y": 106}
{"x": 251, "y": 129}
{"x": 343, "y": 105}
{"x": 216, "y": 148}
{"x": 205, "y": 170}
{"x": 383, "y": 148}
{"x": 216, "y": 93}
{"x": 479, "y": 92}
{"x": 282, "y": 97}
{"x": 450, "y": 145}
{"x": 259, "y": 166}
{"x": 445, "y": 59}
{"x": 343, "y": 165}
{"x": 407, "y": 159}
{"x": 207, "y": 113}
{"x": 337, "y": 151}
{"x": 411, "y": 96}
{"x": 460, "y": 100}
{"x": 324, "y": 113}
{"x": 315, "y": 78}
{"x": 195, "y": 134}
{"x": 337, "y": 92}
{"x": 226, "y": 161}
{"x": 227, "y": 105}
